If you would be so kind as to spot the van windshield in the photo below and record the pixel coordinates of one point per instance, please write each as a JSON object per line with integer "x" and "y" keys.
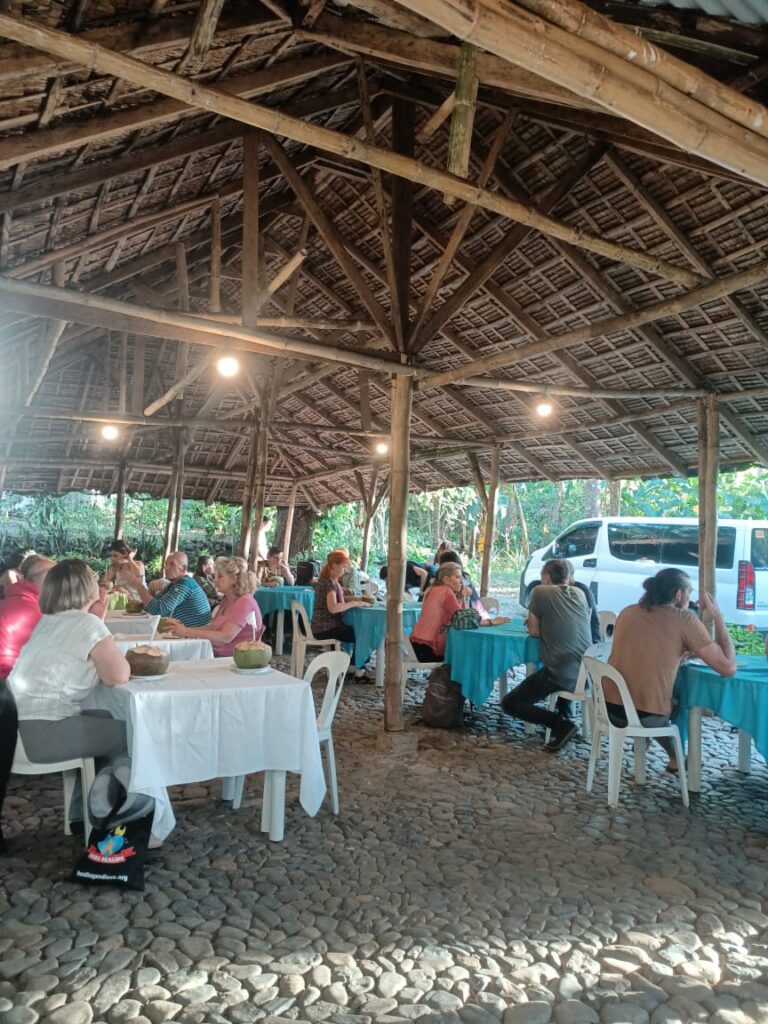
{"x": 667, "y": 544}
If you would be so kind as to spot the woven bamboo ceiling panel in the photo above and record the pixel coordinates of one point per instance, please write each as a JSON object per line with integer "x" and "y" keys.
{"x": 172, "y": 171}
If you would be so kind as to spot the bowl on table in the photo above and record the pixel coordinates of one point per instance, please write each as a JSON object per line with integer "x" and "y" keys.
{"x": 252, "y": 655}
{"x": 133, "y": 607}
{"x": 369, "y": 599}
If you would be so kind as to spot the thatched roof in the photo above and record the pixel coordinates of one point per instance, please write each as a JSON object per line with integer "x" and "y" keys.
{"x": 110, "y": 185}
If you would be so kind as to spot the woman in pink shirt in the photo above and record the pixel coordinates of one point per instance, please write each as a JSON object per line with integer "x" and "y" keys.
{"x": 442, "y": 599}
{"x": 230, "y": 619}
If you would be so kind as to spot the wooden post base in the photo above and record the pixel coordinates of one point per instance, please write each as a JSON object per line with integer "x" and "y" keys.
{"x": 402, "y": 744}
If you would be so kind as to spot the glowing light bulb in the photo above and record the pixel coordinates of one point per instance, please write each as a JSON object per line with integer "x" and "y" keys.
{"x": 544, "y": 407}
{"x": 228, "y": 366}
{"x": 382, "y": 448}
{"x": 110, "y": 432}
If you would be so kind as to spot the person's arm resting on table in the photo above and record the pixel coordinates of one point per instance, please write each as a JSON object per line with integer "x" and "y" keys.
{"x": 336, "y": 607}
{"x": 533, "y": 625}
{"x": 719, "y": 654}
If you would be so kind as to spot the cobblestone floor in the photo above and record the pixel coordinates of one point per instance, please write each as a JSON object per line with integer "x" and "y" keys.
{"x": 477, "y": 883}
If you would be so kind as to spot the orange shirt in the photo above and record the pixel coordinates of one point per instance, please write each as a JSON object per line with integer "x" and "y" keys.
{"x": 439, "y": 605}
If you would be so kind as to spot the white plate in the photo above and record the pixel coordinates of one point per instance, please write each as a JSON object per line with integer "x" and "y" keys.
{"x": 251, "y": 671}
{"x": 149, "y": 679}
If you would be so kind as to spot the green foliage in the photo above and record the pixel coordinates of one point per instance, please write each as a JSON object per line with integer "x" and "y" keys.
{"x": 746, "y": 641}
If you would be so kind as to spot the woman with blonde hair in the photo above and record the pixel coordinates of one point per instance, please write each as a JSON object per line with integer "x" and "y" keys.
{"x": 230, "y": 622}
{"x": 68, "y": 654}
{"x": 330, "y": 603}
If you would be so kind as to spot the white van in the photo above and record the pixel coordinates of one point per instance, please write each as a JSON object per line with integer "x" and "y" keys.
{"x": 614, "y": 554}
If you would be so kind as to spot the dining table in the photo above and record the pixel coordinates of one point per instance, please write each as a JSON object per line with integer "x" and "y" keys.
{"x": 278, "y": 600}
{"x": 177, "y": 648}
{"x": 370, "y": 625}
{"x": 208, "y": 719}
{"x": 130, "y": 623}
{"x": 741, "y": 700}
{"x": 479, "y": 657}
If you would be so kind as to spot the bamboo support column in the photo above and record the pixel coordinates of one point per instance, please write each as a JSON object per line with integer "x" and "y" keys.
{"x": 289, "y": 522}
{"x": 120, "y": 500}
{"x": 402, "y": 398}
{"x": 260, "y": 489}
{"x": 708, "y": 424}
{"x": 490, "y": 522}
{"x": 179, "y": 495}
{"x": 246, "y": 521}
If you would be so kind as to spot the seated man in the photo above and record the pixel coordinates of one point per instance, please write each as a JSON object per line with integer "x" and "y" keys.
{"x": 558, "y": 615}
{"x": 20, "y": 609}
{"x": 415, "y": 575}
{"x": 651, "y": 638}
{"x": 183, "y": 598}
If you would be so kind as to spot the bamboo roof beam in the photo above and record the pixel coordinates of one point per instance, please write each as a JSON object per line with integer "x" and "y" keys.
{"x": 595, "y": 74}
{"x": 218, "y": 101}
{"x": 103, "y": 127}
{"x": 96, "y": 311}
{"x": 463, "y": 116}
{"x": 580, "y": 21}
{"x": 20, "y": 62}
{"x": 430, "y": 57}
{"x": 741, "y": 281}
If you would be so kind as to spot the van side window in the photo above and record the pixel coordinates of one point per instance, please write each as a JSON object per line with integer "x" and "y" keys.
{"x": 673, "y": 544}
{"x": 579, "y": 541}
{"x": 760, "y": 549}
{"x": 635, "y": 542}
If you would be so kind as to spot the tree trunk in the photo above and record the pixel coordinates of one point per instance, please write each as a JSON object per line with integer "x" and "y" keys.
{"x": 120, "y": 501}
{"x": 367, "y": 531}
{"x": 614, "y": 497}
{"x": 525, "y": 547}
{"x": 490, "y": 523}
{"x": 304, "y": 521}
{"x": 591, "y": 497}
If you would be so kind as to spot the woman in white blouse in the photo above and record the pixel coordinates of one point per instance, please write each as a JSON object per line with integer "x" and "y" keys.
{"x": 69, "y": 653}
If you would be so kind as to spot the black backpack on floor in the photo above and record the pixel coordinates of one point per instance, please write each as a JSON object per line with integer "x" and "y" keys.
{"x": 443, "y": 705}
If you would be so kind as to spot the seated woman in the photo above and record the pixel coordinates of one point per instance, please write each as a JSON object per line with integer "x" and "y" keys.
{"x": 276, "y": 565}
{"x": 435, "y": 561}
{"x": 330, "y": 603}
{"x": 118, "y": 576}
{"x": 229, "y": 625}
{"x": 12, "y": 571}
{"x": 204, "y": 573}
{"x": 446, "y": 595}
{"x": 68, "y": 654}
{"x": 453, "y": 558}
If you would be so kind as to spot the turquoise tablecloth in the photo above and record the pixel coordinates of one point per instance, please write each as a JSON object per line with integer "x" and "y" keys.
{"x": 479, "y": 656}
{"x": 741, "y": 700}
{"x": 272, "y": 599}
{"x": 370, "y": 626}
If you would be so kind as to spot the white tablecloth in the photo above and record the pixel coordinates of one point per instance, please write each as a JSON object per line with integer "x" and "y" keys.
{"x": 204, "y": 721}
{"x": 129, "y": 625}
{"x": 179, "y": 650}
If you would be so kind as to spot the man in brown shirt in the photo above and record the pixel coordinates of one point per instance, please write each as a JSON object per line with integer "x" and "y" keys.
{"x": 651, "y": 638}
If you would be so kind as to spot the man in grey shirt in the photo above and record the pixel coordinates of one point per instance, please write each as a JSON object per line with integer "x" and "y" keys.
{"x": 558, "y": 614}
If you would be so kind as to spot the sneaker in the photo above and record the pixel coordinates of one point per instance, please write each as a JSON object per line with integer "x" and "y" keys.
{"x": 560, "y": 735}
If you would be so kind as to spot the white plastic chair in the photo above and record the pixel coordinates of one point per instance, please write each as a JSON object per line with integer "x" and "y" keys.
{"x": 336, "y": 664}
{"x": 580, "y": 695}
{"x": 410, "y": 661}
{"x": 69, "y": 769}
{"x": 490, "y": 604}
{"x": 303, "y": 638}
{"x": 607, "y": 621}
{"x": 597, "y": 671}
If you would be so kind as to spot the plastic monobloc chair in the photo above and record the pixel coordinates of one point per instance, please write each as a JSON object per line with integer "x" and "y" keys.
{"x": 634, "y": 730}
{"x": 581, "y": 695}
{"x": 69, "y": 769}
{"x": 335, "y": 663}
{"x": 303, "y": 638}
{"x": 607, "y": 622}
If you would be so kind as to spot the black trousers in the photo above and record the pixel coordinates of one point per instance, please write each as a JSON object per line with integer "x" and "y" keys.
{"x": 9, "y": 722}
{"x": 424, "y": 652}
{"x": 522, "y": 702}
{"x": 342, "y": 632}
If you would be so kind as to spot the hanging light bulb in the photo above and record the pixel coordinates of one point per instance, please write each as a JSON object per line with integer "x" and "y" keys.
{"x": 228, "y": 365}
{"x": 110, "y": 432}
{"x": 382, "y": 448}
{"x": 544, "y": 406}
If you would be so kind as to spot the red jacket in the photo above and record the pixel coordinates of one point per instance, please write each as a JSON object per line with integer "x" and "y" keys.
{"x": 19, "y": 614}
